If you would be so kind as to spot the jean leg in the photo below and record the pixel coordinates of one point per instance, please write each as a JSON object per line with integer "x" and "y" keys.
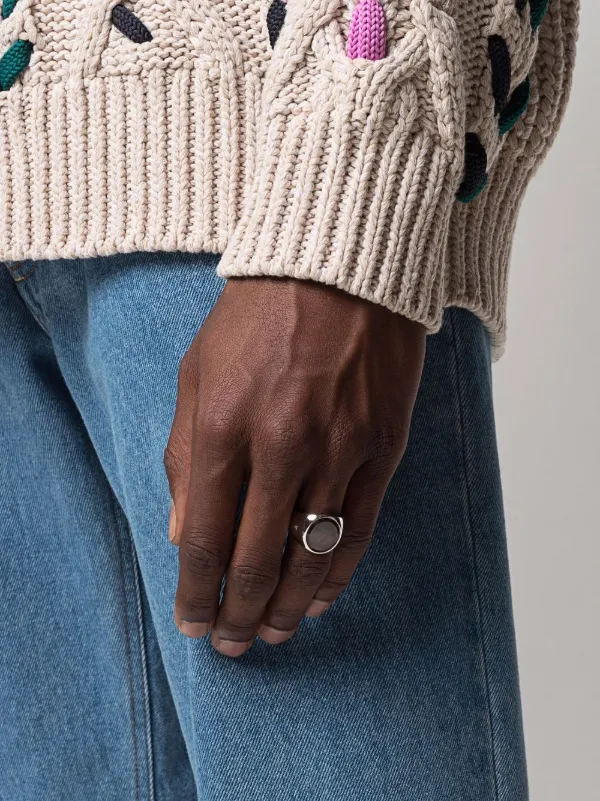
{"x": 407, "y": 690}
{"x": 82, "y": 684}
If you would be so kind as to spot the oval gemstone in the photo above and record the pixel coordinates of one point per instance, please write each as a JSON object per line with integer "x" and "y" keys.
{"x": 323, "y": 536}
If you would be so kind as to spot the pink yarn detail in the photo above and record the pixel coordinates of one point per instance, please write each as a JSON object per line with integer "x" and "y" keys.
{"x": 367, "y": 37}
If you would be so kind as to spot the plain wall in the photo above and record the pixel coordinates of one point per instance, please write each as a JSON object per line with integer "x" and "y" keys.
{"x": 547, "y": 390}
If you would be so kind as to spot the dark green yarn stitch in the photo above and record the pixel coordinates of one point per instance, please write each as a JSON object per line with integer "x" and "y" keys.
{"x": 13, "y": 62}
{"x": 538, "y": 12}
{"x": 8, "y": 7}
{"x": 515, "y": 108}
{"x": 468, "y": 198}
{"x": 18, "y": 55}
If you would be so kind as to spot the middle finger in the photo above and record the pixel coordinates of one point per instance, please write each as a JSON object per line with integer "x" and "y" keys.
{"x": 254, "y": 568}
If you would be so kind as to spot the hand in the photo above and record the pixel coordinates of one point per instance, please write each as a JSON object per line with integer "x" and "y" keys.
{"x": 305, "y": 393}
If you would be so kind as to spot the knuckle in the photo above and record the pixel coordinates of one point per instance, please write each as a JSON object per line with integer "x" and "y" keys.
{"x": 218, "y": 427}
{"x": 173, "y": 459}
{"x": 308, "y": 572}
{"x": 284, "y": 619}
{"x": 345, "y": 439}
{"x": 201, "y": 558}
{"x": 388, "y": 441}
{"x": 233, "y": 629}
{"x": 170, "y": 460}
{"x": 283, "y": 441}
{"x": 195, "y": 606}
{"x": 187, "y": 372}
{"x": 272, "y": 486}
{"x": 363, "y": 435}
{"x": 332, "y": 588}
{"x": 252, "y": 582}
{"x": 356, "y": 540}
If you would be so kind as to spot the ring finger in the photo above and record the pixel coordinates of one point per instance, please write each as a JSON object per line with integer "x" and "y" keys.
{"x": 302, "y": 572}
{"x": 363, "y": 500}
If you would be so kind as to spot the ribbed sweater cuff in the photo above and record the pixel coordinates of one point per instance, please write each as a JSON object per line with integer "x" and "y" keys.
{"x": 368, "y": 215}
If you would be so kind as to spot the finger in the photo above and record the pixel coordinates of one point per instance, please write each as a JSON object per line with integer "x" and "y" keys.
{"x": 363, "y": 500}
{"x": 207, "y": 536}
{"x": 173, "y": 525}
{"x": 177, "y": 457}
{"x": 302, "y": 572}
{"x": 254, "y": 568}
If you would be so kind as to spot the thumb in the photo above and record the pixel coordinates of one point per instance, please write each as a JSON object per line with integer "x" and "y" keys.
{"x": 178, "y": 465}
{"x": 178, "y": 453}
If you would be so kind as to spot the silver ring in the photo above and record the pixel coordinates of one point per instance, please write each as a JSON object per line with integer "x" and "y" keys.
{"x": 319, "y": 533}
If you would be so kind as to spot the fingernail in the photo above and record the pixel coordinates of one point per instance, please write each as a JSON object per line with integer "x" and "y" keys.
{"x": 231, "y": 647}
{"x": 172, "y": 523}
{"x": 194, "y": 630}
{"x": 275, "y": 636}
{"x": 318, "y": 608}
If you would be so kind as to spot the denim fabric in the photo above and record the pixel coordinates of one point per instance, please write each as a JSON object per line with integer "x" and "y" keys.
{"x": 407, "y": 690}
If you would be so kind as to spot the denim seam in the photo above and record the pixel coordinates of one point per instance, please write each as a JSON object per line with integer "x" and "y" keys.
{"x": 144, "y": 665}
{"x": 117, "y": 513}
{"x": 470, "y": 528}
{"x": 33, "y": 305}
{"x": 189, "y": 646}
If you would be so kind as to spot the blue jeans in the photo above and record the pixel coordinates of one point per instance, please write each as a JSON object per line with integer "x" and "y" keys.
{"x": 406, "y": 690}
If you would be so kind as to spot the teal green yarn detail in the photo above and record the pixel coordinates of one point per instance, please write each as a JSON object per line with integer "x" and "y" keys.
{"x": 18, "y": 55}
{"x": 8, "y": 7}
{"x": 515, "y": 108}
{"x": 538, "y": 12}
{"x": 13, "y": 62}
{"x": 472, "y": 195}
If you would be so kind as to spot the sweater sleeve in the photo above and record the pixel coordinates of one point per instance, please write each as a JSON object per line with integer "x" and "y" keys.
{"x": 378, "y": 118}
{"x": 360, "y": 153}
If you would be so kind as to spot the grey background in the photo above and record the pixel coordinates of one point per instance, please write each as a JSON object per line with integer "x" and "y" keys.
{"x": 547, "y": 389}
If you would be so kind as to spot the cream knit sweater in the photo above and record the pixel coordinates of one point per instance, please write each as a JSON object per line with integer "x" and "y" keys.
{"x": 381, "y": 146}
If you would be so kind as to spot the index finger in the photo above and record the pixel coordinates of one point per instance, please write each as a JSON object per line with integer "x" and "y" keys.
{"x": 207, "y": 537}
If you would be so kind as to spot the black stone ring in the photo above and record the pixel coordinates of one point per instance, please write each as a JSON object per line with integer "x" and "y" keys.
{"x": 319, "y": 533}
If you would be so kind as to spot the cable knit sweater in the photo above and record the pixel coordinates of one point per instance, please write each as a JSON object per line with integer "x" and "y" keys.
{"x": 380, "y": 146}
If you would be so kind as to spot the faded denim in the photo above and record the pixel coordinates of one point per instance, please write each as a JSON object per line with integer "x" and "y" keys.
{"x": 407, "y": 690}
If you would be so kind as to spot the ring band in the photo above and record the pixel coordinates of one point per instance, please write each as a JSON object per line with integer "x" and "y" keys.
{"x": 319, "y": 533}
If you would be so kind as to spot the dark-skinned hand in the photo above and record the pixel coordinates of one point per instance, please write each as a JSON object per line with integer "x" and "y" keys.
{"x": 305, "y": 393}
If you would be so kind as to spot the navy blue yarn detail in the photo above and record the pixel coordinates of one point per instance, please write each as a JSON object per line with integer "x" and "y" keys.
{"x": 475, "y": 175}
{"x": 275, "y": 20}
{"x": 501, "y": 70}
{"x": 130, "y": 26}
